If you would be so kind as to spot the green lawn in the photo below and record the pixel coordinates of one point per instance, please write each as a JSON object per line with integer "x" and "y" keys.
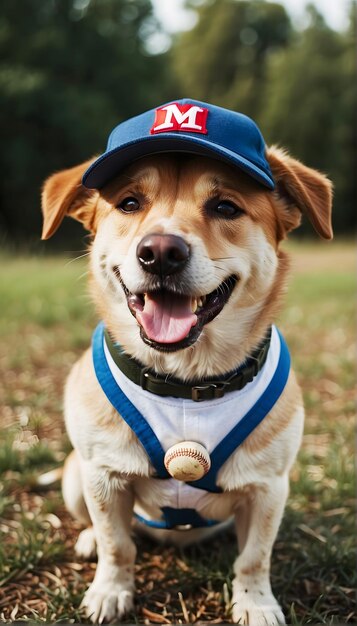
{"x": 46, "y": 321}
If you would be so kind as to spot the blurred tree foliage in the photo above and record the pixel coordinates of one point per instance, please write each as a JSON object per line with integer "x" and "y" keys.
{"x": 300, "y": 86}
{"x": 310, "y": 97}
{"x": 72, "y": 69}
{"x": 224, "y": 58}
{"x": 69, "y": 71}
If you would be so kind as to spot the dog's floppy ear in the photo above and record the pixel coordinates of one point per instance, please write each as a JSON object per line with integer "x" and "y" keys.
{"x": 63, "y": 194}
{"x": 301, "y": 190}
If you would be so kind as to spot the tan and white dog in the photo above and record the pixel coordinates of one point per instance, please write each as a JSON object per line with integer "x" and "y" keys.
{"x": 168, "y": 231}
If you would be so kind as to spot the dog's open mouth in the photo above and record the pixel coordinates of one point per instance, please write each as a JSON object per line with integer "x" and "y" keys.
{"x": 170, "y": 321}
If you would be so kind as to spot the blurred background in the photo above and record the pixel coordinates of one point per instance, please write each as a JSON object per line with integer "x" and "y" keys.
{"x": 72, "y": 69}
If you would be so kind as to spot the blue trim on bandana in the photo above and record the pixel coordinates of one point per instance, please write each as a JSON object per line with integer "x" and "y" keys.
{"x": 125, "y": 408}
{"x": 150, "y": 522}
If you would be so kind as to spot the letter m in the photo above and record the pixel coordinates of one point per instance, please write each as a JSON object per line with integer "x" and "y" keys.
{"x": 177, "y": 117}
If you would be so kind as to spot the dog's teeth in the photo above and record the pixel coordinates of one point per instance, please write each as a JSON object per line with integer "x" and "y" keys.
{"x": 200, "y": 302}
{"x": 194, "y": 305}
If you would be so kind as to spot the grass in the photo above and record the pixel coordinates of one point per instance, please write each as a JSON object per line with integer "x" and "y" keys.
{"x": 46, "y": 321}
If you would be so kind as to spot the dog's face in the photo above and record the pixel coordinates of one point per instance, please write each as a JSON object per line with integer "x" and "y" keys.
{"x": 187, "y": 244}
{"x": 185, "y": 257}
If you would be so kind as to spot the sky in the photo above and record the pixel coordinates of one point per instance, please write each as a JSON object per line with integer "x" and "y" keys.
{"x": 174, "y": 18}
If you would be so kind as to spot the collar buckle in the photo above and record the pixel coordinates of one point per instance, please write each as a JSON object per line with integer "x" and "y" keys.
{"x": 144, "y": 377}
{"x": 217, "y": 390}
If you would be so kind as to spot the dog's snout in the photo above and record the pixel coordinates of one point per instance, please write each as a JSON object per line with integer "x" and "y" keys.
{"x": 162, "y": 254}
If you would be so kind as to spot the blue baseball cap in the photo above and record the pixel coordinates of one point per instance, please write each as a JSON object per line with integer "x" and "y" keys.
{"x": 184, "y": 126}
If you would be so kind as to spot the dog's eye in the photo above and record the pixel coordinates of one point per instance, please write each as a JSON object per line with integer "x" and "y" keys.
{"x": 227, "y": 209}
{"x": 129, "y": 205}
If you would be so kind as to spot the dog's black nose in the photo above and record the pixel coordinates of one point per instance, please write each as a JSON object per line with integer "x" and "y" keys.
{"x": 162, "y": 254}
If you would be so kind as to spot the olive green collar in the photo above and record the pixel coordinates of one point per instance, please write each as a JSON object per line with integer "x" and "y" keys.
{"x": 206, "y": 389}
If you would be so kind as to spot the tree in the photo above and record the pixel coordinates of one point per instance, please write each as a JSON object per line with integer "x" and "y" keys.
{"x": 223, "y": 59}
{"x": 310, "y": 105}
{"x": 71, "y": 70}
{"x": 298, "y": 85}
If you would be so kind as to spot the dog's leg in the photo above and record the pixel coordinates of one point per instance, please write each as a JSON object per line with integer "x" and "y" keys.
{"x": 72, "y": 489}
{"x": 252, "y": 600}
{"x": 242, "y": 525}
{"x": 110, "y": 595}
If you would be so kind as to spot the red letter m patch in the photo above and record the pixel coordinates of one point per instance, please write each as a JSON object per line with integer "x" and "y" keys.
{"x": 177, "y": 117}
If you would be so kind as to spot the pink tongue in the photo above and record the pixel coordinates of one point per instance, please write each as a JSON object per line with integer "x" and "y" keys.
{"x": 166, "y": 318}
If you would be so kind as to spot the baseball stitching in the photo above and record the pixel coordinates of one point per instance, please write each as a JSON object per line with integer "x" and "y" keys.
{"x": 195, "y": 454}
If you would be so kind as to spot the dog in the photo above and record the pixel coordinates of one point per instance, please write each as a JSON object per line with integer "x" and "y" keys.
{"x": 187, "y": 209}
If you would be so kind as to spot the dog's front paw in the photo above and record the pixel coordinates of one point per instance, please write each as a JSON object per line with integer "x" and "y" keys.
{"x": 255, "y": 606}
{"x": 108, "y": 601}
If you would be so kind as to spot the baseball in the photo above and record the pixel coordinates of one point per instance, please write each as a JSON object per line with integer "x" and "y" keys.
{"x": 187, "y": 461}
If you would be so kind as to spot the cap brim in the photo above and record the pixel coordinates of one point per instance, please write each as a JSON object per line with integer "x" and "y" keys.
{"x": 111, "y": 163}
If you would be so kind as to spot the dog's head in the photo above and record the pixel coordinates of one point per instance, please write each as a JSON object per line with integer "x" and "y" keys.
{"x": 185, "y": 252}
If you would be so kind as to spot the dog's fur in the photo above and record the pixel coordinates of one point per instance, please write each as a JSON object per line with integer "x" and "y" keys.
{"x": 109, "y": 467}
